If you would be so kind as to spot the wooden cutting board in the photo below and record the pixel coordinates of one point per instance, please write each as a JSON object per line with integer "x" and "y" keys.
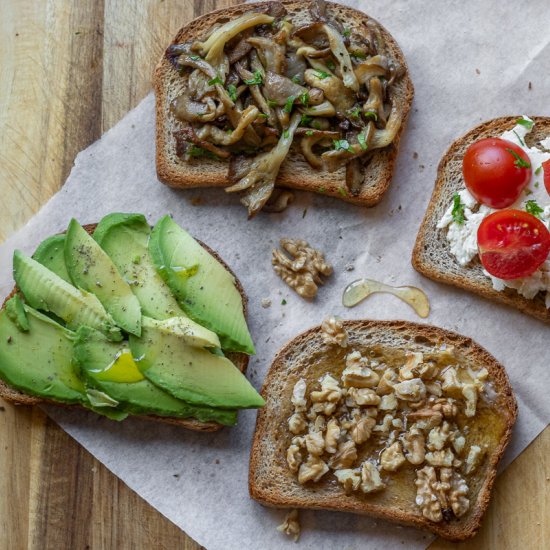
{"x": 69, "y": 70}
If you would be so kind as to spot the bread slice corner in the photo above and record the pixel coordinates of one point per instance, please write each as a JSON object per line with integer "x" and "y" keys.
{"x": 431, "y": 255}
{"x": 296, "y": 173}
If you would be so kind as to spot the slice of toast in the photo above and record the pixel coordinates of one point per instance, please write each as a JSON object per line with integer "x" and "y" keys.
{"x": 309, "y": 357}
{"x": 431, "y": 253}
{"x": 296, "y": 172}
{"x": 239, "y": 359}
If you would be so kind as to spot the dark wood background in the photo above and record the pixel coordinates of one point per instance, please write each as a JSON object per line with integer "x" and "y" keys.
{"x": 69, "y": 70}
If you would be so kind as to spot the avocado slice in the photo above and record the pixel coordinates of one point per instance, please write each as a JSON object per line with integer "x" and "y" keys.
{"x": 192, "y": 333}
{"x": 39, "y": 361}
{"x": 15, "y": 310}
{"x": 110, "y": 368}
{"x": 124, "y": 237}
{"x": 50, "y": 253}
{"x": 202, "y": 285}
{"x": 45, "y": 290}
{"x": 92, "y": 270}
{"x": 189, "y": 373}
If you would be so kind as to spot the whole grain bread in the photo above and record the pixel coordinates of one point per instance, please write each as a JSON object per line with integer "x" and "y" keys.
{"x": 239, "y": 359}
{"x": 296, "y": 172}
{"x": 273, "y": 484}
{"x": 431, "y": 254}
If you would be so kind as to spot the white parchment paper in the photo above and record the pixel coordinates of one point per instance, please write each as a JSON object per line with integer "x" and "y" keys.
{"x": 469, "y": 61}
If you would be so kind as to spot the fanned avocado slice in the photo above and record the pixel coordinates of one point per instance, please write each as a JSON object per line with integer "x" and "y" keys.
{"x": 39, "y": 361}
{"x": 15, "y": 310}
{"x": 92, "y": 270}
{"x": 110, "y": 368}
{"x": 190, "y": 373}
{"x": 45, "y": 290}
{"x": 124, "y": 237}
{"x": 202, "y": 285}
{"x": 50, "y": 253}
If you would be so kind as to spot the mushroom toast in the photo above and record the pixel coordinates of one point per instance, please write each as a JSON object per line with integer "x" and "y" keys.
{"x": 123, "y": 319}
{"x": 397, "y": 420}
{"x": 304, "y": 95}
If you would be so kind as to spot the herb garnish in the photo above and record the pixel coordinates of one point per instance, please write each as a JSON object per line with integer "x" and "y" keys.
{"x": 296, "y": 79}
{"x": 537, "y": 171}
{"x": 519, "y": 162}
{"x": 371, "y": 114}
{"x": 283, "y": 302}
{"x": 195, "y": 57}
{"x": 331, "y": 65}
{"x": 309, "y": 133}
{"x": 355, "y": 112}
{"x": 346, "y": 32}
{"x": 285, "y": 134}
{"x": 362, "y": 141}
{"x": 321, "y": 75}
{"x": 256, "y": 81}
{"x": 519, "y": 138}
{"x": 232, "y": 91}
{"x": 305, "y": 120}
{"x": 195, "y": 151}
{"x": 341, "y": 144}
{"x": 304, "y": 99}
{"x": 216, "y": 80}
{"x": 272, "y": 103}
{"x": 458, "y": 209}
{"x": 289, "y": 104}
{"x": 524, "y": 122}
{"x": 532, "y": 207}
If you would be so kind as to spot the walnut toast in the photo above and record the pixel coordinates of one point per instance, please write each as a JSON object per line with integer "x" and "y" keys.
{"x": 406, "y": 423}
{"x": 431, "y": 254}
{"x": 240, "y": 360}
{"x": 295, "y": 173}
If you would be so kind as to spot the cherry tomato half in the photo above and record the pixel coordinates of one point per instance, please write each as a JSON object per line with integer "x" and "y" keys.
{"x": 546, "y": 169}
{"x": 496, "y": 171}
{"x": 512, "y": 244}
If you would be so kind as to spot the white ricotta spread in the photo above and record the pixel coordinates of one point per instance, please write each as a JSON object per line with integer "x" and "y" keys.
{"x": 462, "y": 237}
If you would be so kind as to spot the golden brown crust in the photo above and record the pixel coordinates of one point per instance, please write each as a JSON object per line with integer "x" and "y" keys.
{"x": 286, "y": 362}
{"x": 295, "y": 172}
{"x": 431, "y": 255}
{"x": 239, "y": 359}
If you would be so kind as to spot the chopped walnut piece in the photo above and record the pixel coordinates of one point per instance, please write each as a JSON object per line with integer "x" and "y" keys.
{"x": 387, "y": 382}
{"x": 426, "y": 498}
{"x": 357, "y": 374}
{"x": 324, "y": 407}
{"x": 298, "y": 398}
{"x": 440, "y": 458}
{"x": 458, "y": 441}
{"x": 457, "y": 497}
{"x": 332, "y": 435}
{"x": 330, "y": 391}
{"x": 438, "y": 436}
{"x": 362, "y": 397}
{"x": 446, "y": 406}
{"x": 385, "y": 426}
{"x": 428, "y": 370}
{"x": 294, "y": 455}
{"x": 362, "y": 430}
{"x": 413, "y": 445}
{"x": 312, "y": 470}
{"x": 315, "y": 443}
{"x": 297, "y": 423}
{"x": 426, "y": 418}
{"x": 319, "y": 424}
{"x": 388, "y": 402}
{"x": 434, "y": 388}
{"x": 345, "y": 456}
{"x": 370, "y": 478}
{"x": 410, "y": 390}
{"x": 474, "y": 459}
{"x": 350, "y": 479}
{"x": 300, "y": 267}
{"x": 409, "y": 370}
{"x": 469, "y": 391}
{"x": 451, "y": 384}
{"x": 392, "y": 457}
{"x": 333, "y": 332}
{"x": 291, "y": 525}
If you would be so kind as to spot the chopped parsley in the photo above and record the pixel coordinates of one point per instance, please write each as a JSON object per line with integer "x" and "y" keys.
{"x": 526, "y": 123}
{"x": 321, "y": 75}
{"x": 289, "y": 104}
{"x": 283, "y": 302}
{"x": 342, "y": 191}
{"x": 232, "y": 91}
{"x": 371, "y": 114}
{"x": 309, "y": 133}
{"x": 341, "y": 145}
{"x": 285, "y": 134}
{"x": 316, "y": 124}
{"x": 537, "y": 171}
{"x": 256, "y": 81}
{"x": 272, "y": 103}
{"x": 305, "y": 120}
{"x": 296, "y": 79}
{"x": 519, "y": 162}
{"x": 458, "y": 209}
{"x": 322, "y": 189}
{"x": 346, "y": 32}
{"x": 536, "y": 184}
{"x": 214, "y": 81}
{"x": 532, "y": 207}
{"x": 331, "y": 65}
{"x": 304, "y": 99}
{"x": 195, "y": 57}
{"x": 519, "y": 138}
{"x": 195, "y": 151}
{"x": 355, "y": 112}
{"x": 362, "y": 141}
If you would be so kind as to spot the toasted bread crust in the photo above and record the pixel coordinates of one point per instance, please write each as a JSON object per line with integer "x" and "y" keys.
{"x": 431, "y": 255}
{"x": 239, "y": 359}
{"x": 296, "y": 173}
{"x": 284, "y": 372}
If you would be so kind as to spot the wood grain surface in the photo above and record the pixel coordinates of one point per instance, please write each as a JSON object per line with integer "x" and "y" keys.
{"x": 69, "y": 70}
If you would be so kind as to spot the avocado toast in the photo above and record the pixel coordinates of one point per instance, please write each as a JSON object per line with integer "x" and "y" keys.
{"x": 159, "y": 358}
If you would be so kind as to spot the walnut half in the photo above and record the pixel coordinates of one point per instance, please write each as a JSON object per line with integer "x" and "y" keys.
{"x": 300, "y": 266}
{"x": 333, "y": 332}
